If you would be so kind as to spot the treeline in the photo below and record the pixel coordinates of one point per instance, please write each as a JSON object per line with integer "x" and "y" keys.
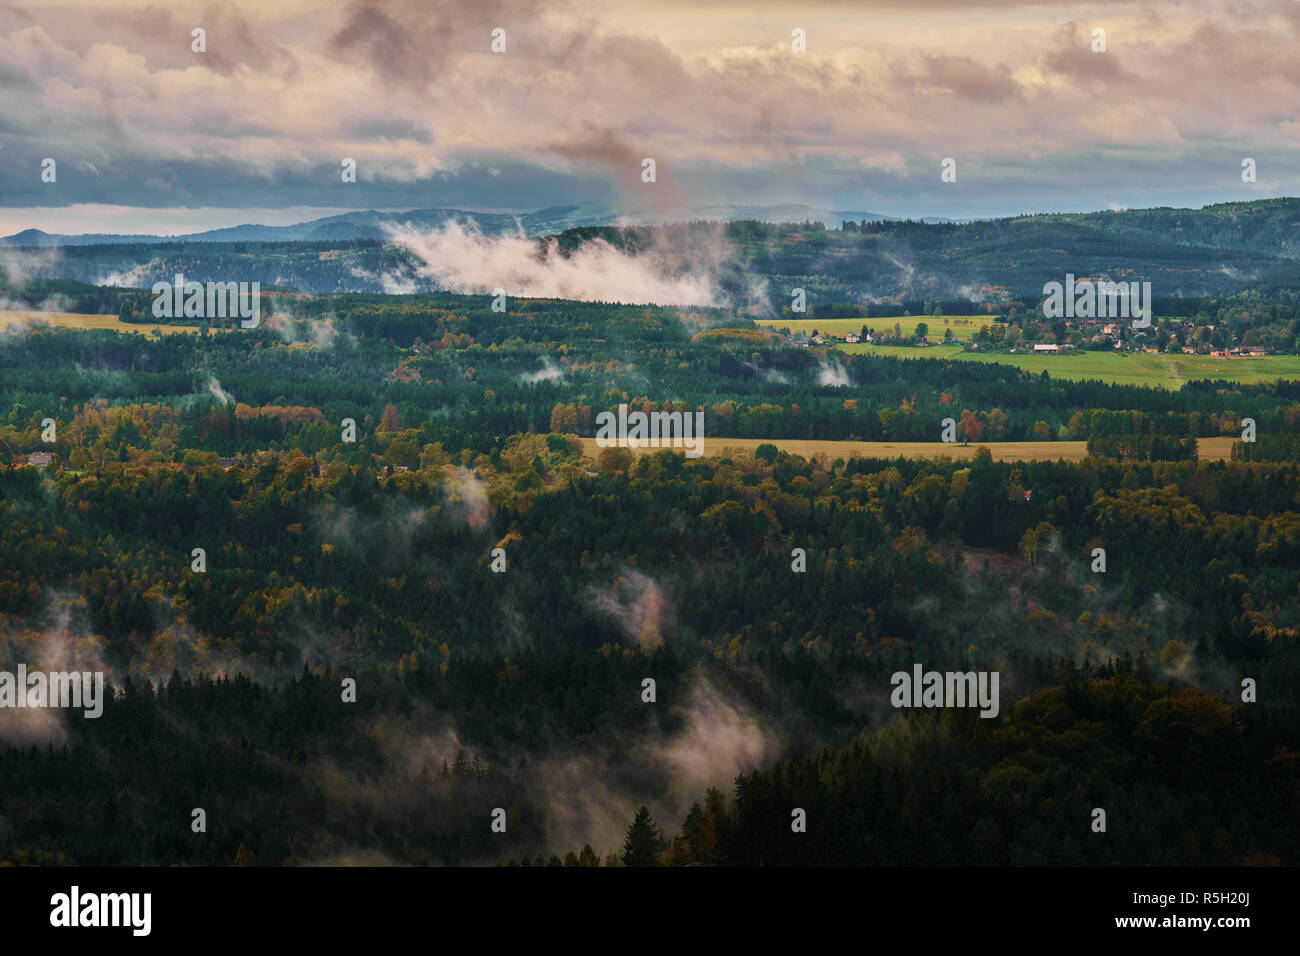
{"x": 1268, "y": 447}
{"x": 1137, "y": 447}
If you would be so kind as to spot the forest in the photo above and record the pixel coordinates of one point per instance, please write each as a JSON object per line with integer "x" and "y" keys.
{"x": 500, "y": 599}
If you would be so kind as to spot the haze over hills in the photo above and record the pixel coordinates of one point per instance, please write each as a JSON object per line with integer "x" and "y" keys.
{"x": 376, "y": 224}
{"x": 1216, "y": 250}
{"x": 1269, "y": 226}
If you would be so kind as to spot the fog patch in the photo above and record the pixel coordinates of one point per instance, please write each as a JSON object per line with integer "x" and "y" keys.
{"x": 462, "y": 259}
{"x": 833, "y": 375}
{"x": 549, "y": 372}
{"x": 466, "y": 498}
{"x": 591, "y": 799}
{"x": 642, "y": 608}
{"x": 137, "y": 277}
{"x": 217, "y": 392}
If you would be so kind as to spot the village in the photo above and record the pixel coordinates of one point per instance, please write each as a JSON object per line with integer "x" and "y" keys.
{"x": 1016, "y": 336}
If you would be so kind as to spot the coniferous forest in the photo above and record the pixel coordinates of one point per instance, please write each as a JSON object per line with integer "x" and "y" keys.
{"x": 419, "y": 601}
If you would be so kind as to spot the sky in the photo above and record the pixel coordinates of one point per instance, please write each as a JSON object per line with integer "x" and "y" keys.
{"x": 149, "y": 135}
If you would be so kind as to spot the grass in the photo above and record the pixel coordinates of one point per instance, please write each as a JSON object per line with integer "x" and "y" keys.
{"x": 75, "y": 320}
{"x": 907, "y": 323}
{"x": 1139, "y": 368}
{"x": 1207, "y": 449}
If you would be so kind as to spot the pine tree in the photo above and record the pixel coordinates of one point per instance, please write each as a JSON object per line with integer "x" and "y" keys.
{"x": 645, "y": 841}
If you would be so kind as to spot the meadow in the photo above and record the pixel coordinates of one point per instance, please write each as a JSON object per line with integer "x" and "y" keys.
{"x": 963, "y": 326}
{"x": 1117, "y": 368}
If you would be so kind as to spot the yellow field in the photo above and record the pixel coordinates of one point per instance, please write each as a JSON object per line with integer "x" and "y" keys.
{"x": 1215, "y": 449}
{"x": 74, "y": 320}
{"x": 1207, "y": 449}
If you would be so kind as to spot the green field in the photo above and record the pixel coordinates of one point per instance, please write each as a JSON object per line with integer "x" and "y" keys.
{"x": 963, "y": 326}
{"x": 1156, "y": 371}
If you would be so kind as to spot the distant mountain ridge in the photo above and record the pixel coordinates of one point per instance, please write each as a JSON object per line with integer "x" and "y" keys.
{"x": 1216, "y": 250}
{"x": 373, "y": 224}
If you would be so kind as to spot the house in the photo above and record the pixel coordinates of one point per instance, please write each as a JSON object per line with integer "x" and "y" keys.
{"x": 230, "y": 462}
{"x": 40, "y": 458}
{"x": 819, "y": 340}
{"x": 1040, "y": 348}
{"x": 852, "y": 337}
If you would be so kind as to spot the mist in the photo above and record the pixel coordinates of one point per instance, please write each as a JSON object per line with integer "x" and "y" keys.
{"x": 461, "y": 259}
{"x": 834, "y": 375}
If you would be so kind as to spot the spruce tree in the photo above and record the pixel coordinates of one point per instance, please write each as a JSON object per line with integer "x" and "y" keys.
{"x": 645, "y": 842}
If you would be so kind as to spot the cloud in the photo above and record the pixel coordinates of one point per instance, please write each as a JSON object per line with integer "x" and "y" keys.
{"x": 390, "y": 282}
{"x": 461, "y": 259}
{"x": 294, "y": 329}
{"x": 466, "y": 498}
{"x": 137, "y": 277}
{"x": 18, "y": 267}
{"x": 641, "y": 607}
{"x": 549, "y": 372}
{"x": 17, "y": 320}
{"x": 834, "y": 374}
{"x": 412, "y": 91}
{"x": 217, "y": 392}
{"x": 61, "y": 642}
{"x": 591, "y": 798}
